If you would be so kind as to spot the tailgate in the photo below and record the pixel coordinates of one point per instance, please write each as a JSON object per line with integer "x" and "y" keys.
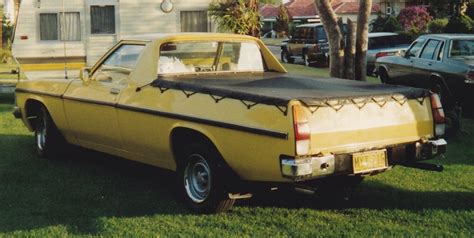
{"x": 369, "y": 124}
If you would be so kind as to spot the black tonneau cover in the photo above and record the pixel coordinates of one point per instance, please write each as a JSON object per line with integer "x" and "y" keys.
{"x": 278, "y": 89}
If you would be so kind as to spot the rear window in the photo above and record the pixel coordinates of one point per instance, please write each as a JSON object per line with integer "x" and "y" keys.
{"x": 388, "y": 41}
{"x": 461, "y": 48}
{"x": 195, "y": 57}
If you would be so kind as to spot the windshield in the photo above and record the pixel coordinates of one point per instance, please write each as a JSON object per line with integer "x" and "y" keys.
{"x": 195, "y": 57}
{"x": 462, "y": 48}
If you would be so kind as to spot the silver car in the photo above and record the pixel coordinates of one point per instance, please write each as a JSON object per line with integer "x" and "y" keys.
{"x": 384, "y": 44}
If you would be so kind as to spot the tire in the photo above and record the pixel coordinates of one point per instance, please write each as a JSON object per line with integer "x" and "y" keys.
{"x": 286, "y": 58}
{"x": 49, "y": 143}
{"x": 201, "y": 181}
{"x": 383, "y": 75}
{"x": 306, "y": 61}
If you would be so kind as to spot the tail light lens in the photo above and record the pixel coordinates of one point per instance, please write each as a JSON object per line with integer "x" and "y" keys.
{"x": 438, "y": 115}
{"x": 302, "y": 130}
{"x": 470, "y": 77}
{"x": 381, "y": 54}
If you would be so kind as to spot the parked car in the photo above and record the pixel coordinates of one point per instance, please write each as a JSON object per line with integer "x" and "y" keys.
{"x": 443, "y": 63}
{"x": 308, "y": 43}
{"x": 383, "y": 44}
{"x": 221, "y": 111}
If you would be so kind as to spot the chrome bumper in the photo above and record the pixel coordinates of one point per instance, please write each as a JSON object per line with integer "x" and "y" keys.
{"x": 430, "y": 149}
{"x": 16, "y": 112}
{"x": 307, "y": 167}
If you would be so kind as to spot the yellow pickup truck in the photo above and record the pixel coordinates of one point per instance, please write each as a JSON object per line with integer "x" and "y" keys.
{"x": 220, "y": 110}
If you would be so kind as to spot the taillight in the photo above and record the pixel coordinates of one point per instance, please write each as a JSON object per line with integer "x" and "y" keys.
{"x": 438, "y": 115}
{"x": 302, "y": 130}
{"x": 469, "y": 77}
{"x": 381, "y": 54}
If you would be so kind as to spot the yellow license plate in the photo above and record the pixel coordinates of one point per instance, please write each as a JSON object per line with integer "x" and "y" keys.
{"x": 369, "y": 161}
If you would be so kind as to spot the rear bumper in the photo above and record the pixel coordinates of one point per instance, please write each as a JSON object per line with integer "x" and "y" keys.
{"x": 299, "y": 169}
{"x": 17, "y": 112}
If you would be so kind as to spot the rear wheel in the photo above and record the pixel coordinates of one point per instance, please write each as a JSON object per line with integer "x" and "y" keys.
{"x": 383, "y": 75}
{"x": 201, "y": 181}
{"x": 285, "y": 57}
{"x": 49, "y": 142}
{"x": 306, "y": 61}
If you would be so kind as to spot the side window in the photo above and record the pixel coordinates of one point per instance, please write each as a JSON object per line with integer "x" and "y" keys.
{"x": 321, "y": 34}
{"x": 102, "y": 20}
{"x": 440, "y": 51}
{"x": 51, "y": 24}
{"x": 415, "y": 48}
{"x": 310, "y": 35}
{"x": 119, "y": 64}
{"x": 296, "y": 34}
{"x": 430, "y": 49}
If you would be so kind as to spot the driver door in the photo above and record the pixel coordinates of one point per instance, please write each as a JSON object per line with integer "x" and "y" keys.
{"x": 90, "y": 106}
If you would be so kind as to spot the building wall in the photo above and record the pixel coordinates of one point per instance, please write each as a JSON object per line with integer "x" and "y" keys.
{"x": 132, "y": 17}
{"x": 27, "y": 43}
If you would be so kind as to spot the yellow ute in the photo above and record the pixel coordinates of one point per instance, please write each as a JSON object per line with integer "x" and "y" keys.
{"x": 220, "y": 109}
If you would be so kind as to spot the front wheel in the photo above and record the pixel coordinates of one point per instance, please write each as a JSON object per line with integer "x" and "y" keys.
{"x": 383, "y": 75}
{"x": 286, "y": 57}
{"x": 201, "y": 181}
{"x": 49, "y": 143}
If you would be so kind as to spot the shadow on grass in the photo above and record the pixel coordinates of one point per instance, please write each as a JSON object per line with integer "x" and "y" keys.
{"x": 79, "y": 190}
{"x": 370, "y": 195}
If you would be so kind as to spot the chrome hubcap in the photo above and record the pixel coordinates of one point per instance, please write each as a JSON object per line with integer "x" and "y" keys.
{"x": 197, "y": 178}
{"x": 41, "y": 133}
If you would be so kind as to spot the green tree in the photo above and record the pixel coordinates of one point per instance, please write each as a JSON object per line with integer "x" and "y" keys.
{"x": 282, "y": 21}
{"x": 236, "y": 16}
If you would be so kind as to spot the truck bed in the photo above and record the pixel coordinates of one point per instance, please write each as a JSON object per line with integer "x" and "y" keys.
{"x": 278, "y": 89}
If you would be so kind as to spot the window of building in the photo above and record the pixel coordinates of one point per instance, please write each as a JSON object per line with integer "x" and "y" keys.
{"x": 194, "y": 21}
{"x": 102, "y": 19}
{"x": 60, "y": 26}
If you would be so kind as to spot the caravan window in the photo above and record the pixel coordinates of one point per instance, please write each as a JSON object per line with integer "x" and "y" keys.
{"x": 194, "y": 21}
{"x": 60, "y": 26}
{"x": 102, "y": 20}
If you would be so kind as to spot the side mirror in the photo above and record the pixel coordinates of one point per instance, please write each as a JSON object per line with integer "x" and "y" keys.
{"x": 84, "y": 74}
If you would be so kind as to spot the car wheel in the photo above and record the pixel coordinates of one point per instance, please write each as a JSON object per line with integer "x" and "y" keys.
{"x": 383, "y": 75}
{"x": 306, "y": 61}
{"x": 201, "y": 181}
{"x": 49, "y": 142}
{"x": 286, "y": 58}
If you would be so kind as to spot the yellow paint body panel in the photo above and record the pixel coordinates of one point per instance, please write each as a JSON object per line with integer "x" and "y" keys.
{"x": 51, "y": 66}
{"x": 90, "y": 116}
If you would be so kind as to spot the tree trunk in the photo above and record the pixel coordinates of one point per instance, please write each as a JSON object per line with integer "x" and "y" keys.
{"x": 255, "y": 31}
{"x": 362, "y": 37}
{"x": 336, "y": 52}
{"x": 349, "y": 51}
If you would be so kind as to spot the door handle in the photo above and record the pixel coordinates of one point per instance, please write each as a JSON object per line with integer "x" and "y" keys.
{"x": 114, "y": 91}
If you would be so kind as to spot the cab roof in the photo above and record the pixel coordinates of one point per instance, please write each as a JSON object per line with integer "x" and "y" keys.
{"x": 186, "y": 36}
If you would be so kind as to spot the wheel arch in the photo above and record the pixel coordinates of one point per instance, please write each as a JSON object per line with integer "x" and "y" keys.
{"x": 31, "y": 107}
{"x": 181, "y": 135}
{"x": 435, "y": 77}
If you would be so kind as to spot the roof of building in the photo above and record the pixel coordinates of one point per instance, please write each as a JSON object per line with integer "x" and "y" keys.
{"x": 302, "y": 8}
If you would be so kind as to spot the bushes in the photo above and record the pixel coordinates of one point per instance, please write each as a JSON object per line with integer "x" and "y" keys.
{"x": 414, "y": 20}
{"x": 462, "y": 24}
{"x": 385, "y": 24}
{"x": 437, "y": 25}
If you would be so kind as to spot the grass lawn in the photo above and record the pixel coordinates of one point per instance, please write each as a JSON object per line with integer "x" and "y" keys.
{"x": 91, "y": 194}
